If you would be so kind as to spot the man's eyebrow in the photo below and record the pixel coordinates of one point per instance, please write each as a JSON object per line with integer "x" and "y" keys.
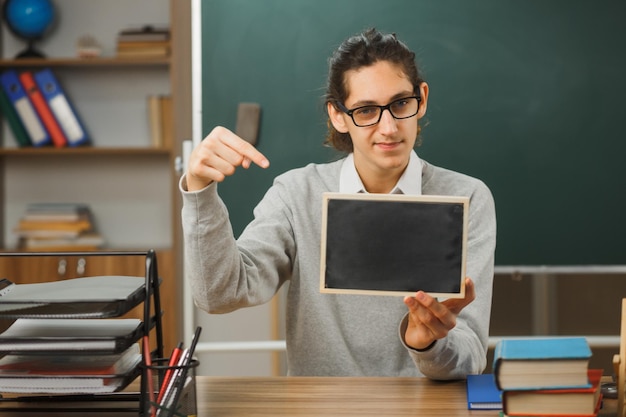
{"x": 395, "y": 97}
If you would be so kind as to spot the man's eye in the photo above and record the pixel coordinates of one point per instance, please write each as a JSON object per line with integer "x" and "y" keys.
{"x": 366, "y": 111}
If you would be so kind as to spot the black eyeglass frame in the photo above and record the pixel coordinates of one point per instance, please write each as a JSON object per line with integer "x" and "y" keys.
{"x": 350, "y": 112}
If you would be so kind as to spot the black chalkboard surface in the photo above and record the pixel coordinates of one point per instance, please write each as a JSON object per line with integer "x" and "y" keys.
{"x": 393, "y": 244}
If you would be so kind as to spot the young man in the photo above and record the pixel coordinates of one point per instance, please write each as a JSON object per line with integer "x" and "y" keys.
{"x": 375, "y": 99}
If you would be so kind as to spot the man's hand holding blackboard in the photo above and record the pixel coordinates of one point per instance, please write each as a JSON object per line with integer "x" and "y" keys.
{"x": 430, "y": 319}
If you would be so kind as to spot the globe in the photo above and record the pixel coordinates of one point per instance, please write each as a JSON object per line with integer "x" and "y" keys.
{"x": 30, "y": 20}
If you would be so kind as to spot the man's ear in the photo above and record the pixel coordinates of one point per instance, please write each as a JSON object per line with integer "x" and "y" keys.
{"x": 337, "y": 118}
{"x": 423, "y": 88}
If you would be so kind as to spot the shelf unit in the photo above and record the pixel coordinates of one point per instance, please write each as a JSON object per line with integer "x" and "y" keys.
{"x": 131, "y": 187}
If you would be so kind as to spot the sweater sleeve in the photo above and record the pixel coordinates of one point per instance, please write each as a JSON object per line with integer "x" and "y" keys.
{"x": 464, "y": 350}
{"x": 226, "y": 274}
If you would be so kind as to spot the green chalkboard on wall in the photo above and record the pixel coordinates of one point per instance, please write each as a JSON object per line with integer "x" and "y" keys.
{"x": 528, "y": 96}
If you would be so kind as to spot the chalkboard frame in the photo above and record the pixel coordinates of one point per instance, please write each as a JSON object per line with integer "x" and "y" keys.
{"x": 349, "y": 222}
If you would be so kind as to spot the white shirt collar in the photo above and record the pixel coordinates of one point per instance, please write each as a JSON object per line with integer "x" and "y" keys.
{"x": 409, "y": 183}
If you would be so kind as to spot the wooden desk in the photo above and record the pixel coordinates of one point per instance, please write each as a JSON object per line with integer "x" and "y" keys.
{"x": 332, "y": 396}
{"x": 337, "y": 397}
{"x": 324, "y": 396}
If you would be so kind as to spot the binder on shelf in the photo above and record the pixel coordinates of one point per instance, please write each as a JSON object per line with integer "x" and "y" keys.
{"x": 45, "y": 113}
{"x": 13, "y": 119}
{"x": 24, "y": 108}
{"x": 61, "y": 107}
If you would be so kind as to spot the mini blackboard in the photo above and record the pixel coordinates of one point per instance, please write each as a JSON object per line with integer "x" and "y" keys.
{"x": 393, "y": 244}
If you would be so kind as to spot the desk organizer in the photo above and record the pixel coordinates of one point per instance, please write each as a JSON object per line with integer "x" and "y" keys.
{"x": 86, "y": 310}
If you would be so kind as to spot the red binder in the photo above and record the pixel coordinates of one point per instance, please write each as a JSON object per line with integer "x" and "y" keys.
{"x": 40, "y": 104}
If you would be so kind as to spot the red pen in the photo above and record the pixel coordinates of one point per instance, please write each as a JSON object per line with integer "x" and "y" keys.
{"x": 168, "y": 374}
{"x": 148, "y": 363}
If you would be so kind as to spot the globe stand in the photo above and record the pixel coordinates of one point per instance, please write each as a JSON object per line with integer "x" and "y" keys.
{"x": 30, "y": 52}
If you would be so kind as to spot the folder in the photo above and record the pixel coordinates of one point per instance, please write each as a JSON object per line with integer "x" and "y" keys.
{"x": 70, "y": 336}
{"x": 45, "y": 114}
{"x": 87, "y": 297}
{"x": 13, "y": 119}
{"x": 61, "y": 107}
{"x": 24, "y": 108}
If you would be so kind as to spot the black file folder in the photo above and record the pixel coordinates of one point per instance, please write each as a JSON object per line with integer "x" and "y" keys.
{"x": 88, "y": 297}
{"x": 71, "y": 336}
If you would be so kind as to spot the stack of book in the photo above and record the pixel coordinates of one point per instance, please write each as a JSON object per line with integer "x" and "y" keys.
{"x": 144, "y": 42}
{"x": 547, "y": 377}
{"x": 46, "y": 373}
{"x": 57, "y": 227}
{"x": 38, "y": 111}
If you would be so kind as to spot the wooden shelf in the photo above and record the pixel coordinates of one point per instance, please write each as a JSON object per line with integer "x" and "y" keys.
{"x": 83, "y": 62}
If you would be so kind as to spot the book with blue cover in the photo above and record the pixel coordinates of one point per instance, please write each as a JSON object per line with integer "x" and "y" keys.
{"x": 29, "y": 117}
{"x": 62, "y": 109}
{"x": 482, "y": 393}
{"x": 542, "y": 363}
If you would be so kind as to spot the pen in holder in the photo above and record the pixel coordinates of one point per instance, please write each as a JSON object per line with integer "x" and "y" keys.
{"x": 175, "y": 388}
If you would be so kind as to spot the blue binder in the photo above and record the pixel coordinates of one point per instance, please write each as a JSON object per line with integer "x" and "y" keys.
{"x": 25, "y": 110}
{"x": 61, "y": 107}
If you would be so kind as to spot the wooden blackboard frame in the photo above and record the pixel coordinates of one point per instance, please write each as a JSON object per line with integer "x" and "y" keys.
{"x": 363, "y": 232}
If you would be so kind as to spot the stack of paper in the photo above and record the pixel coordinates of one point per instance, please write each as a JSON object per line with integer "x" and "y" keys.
{"x": 54, "y": 373}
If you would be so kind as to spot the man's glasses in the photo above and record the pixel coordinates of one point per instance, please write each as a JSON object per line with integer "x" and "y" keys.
{"x": 364, "y": 116}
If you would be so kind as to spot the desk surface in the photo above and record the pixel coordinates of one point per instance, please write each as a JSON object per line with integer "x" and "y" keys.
{"x": 337, "y": 397}
{"x": 325, "y": 396}
{"x": 332, "y": 396}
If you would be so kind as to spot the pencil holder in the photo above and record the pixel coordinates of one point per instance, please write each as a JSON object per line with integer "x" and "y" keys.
{"x": 170, "y": 389}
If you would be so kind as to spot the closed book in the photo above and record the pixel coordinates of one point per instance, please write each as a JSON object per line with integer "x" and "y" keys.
{"x": 62, "y": 385}
{"x": 109, "y": 365}
{"x": 144, "y": 33}
{"x": 142, "y": 44}
{"x": 84, "y": 241}
{"x": 155, "y": 120}
{"x": 45, "y": 114}
{"x": 83, "y": 224}
{"x": 56, "y": 211}
{"x": 482, "y": 393}
{"x": 61, "y": 107}
{"x": 542, "y": 363}
{"x": 557, "y": 402}
{"x": 13, "y": 119}
{"x": 25, "y": 110}
{"x": 143, "y": 53}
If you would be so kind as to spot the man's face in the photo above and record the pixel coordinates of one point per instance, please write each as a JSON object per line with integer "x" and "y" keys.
{"x": 381, "y": 150}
